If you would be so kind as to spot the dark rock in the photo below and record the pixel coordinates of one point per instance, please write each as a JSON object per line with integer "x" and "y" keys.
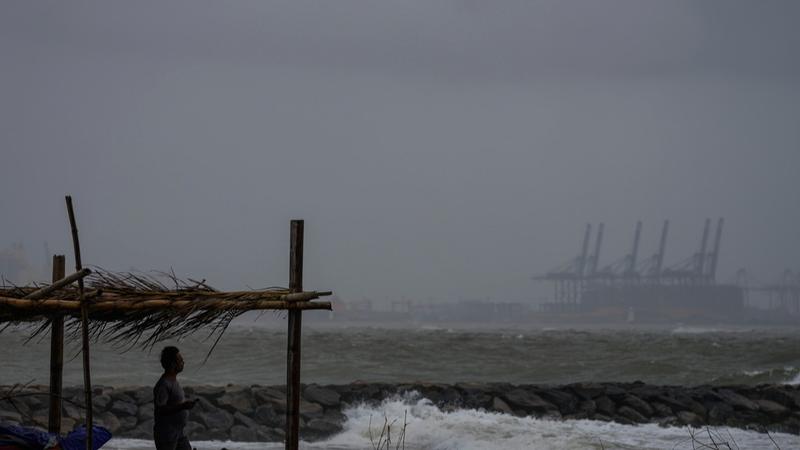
{"x": 266, "y": 415}
{"x": 605, "y": 406}
{"x": 631, "y": 414}
{"x": 359, "y": 392}
{"x": 661, "y": 410}
{"x": 528, "y": 401}
{"x": 738, "y": 401}
{"x": 120, "y": 397}
{"x": 67, "y": 425}
{"x": 500, "y": 406}
{"x": 266, "y": 434}
{"x": 790, "y": 425}
{"x": 124, "y": 409}
{"x": 328, "y": 398}
{"x": 450, "y": 398}
{"x": 675, "y": 403}
{"x": 566, "y": 403}
{"x": 140, "y": 432}
{"x": 10, "y": 416}
{"x": 552, "y": 414}
{"x": 217, "y": 434}
{"x": 668, "y": 421}
{"x": 335, "y": 416}
{"x": 646, "y": 392}
{"x": 203, "y": 405}
{"x": 34, "y": 402}
{"x": 236, "y": 400}
{"x": 278, "y": 404}
{"x": 615, "y": 392}
{"x": 145, "y": 412}
{"x": 18, "y": 407}
{"x": 219, "y": 419}
{"x": 690, "y": 418}
{"x": 639, "y": 405}
{"x": 587, "y": 407}
{"x": 783, "y": 395}
{"x": 194, "y": 429}
{"x": 109, "y": 421}
{"x": 208, "y": 392}
{"x": 267, "y": 394}
{"x": 678, "y": 401}
{"x": 71, "y": 411}
{"x": 101, "y": 402}
{"x": 623, "y": 420}
{"x": 475, "y": 395}
{"x": 241, "y": 433}
{"x": 242, "y": 419}
{"x": 321, "y": 428}
{"x": 772, "y": 408}
{"x": 310, "y": 410}
{"x": 705, "y": 394}
{"x": 719, "y": 413}
{"x": 588, "y": 391}
{"x": 96, "y": 390}
{"x": 142, "y": 396}
{"x": 127, "y": 423}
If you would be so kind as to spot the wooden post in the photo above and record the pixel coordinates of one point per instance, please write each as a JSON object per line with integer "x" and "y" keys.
{"x": 56, "y": 356}
{"x": 293, "y": 348}
{"x": 87, "y": 374}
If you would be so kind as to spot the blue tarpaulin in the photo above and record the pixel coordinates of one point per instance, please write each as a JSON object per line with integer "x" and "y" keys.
{"x": 17, "y": 437}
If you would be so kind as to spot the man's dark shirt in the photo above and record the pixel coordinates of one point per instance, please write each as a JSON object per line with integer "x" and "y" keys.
{"x": 168, "y": 427}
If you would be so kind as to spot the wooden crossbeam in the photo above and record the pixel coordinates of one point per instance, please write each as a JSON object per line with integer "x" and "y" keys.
{"x": 50, "y": 306}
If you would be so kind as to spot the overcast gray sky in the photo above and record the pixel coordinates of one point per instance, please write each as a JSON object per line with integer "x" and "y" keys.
{"x": 437, "y": 150}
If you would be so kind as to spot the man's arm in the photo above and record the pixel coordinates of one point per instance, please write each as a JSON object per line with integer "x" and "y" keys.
{"x": 166, "y": 410}
{"x": 160, "y": 398}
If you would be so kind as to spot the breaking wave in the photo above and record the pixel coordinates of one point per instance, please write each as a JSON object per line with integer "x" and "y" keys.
{"x": 431, "y": 428}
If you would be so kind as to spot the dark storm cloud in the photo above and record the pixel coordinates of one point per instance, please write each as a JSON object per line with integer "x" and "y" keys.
{"x": 437, "y": 149}
{"x": 520, "y": 41}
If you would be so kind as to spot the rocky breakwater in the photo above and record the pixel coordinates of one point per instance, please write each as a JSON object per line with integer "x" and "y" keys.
{"x": 257, "y": 413}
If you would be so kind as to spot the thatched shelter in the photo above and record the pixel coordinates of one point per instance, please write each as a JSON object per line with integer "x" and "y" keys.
{"x": 141, "y": 310}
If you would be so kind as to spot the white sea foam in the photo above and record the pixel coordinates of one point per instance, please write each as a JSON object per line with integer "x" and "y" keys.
{"x": 430, "y": 428}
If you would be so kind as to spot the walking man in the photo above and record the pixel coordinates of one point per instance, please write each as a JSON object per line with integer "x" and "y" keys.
{"x": 171, "y": 408}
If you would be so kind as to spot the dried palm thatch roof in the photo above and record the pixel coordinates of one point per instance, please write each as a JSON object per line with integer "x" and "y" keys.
{"x": 142, "y": 310}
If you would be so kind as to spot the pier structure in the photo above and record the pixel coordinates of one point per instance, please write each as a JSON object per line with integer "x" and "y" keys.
{"x": 633, "y": 286}
{"x": 781, "y": 296}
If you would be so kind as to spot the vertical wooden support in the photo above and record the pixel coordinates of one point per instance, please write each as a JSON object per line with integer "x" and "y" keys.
{"x": 87, "y": 374}
{"x": 293, "y": 348}
{"x": 56, "y": 356}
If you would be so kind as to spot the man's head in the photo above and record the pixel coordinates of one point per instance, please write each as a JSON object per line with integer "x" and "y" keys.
{"x": 171, "y": 359}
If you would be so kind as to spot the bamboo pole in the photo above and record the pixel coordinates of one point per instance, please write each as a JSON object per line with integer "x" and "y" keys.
{"x": 47, "y": 290}
{"x": 87, "y": 374}
{"x": 69, "y": 306}
{"x": 56, "y": 356}
{"x": 293, "y": 344}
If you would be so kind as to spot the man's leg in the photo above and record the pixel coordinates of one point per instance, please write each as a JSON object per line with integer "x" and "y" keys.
{"x": 166, "y": 445}
{"x": 183, "y": 444}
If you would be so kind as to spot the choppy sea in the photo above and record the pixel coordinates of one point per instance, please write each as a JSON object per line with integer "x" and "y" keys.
{"x": 251, "y": 352}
